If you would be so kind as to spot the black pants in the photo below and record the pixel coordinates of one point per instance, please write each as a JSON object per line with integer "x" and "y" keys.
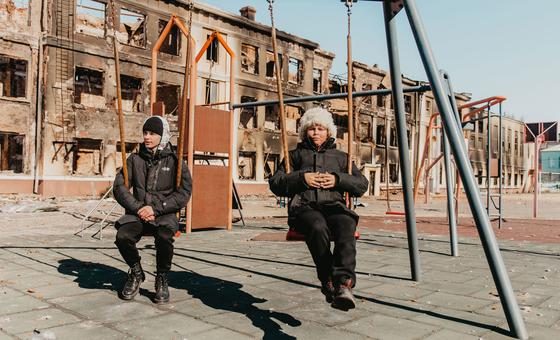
{"x": 130, "y": 233}
{"x": 321, "y": 227}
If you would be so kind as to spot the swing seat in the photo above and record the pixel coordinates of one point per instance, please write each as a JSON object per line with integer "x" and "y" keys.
{"x": 294, "y": 235}
{"x": 391, "y": 212}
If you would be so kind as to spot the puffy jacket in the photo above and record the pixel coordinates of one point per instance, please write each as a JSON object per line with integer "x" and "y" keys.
{"x": 307, "y": 158}
{"x": 153, "y": 178}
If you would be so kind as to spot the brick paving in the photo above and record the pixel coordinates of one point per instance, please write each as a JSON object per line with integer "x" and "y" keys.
{"x": 237, "y": 285}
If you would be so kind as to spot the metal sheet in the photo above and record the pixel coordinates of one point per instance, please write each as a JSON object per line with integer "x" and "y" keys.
{"x": 211, "y": 130}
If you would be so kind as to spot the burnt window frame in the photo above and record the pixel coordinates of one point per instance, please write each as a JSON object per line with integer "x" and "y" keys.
{"x": 138, "y": 91}
{"x": 270, "y": 65}
{"x": 318, "y": 82}
{"x": 174, "y": 31}
{"x": 208, "y": 91}
{"x": 17, "y": 166}
{"x": 12, "y": 69}
{"x": 248, "y": 111}
{"x": 256, "y": 67}
{"x": 145, "y": 34}
{"x": 77, "y": 85}
{"x": 298, "y": 68}
{"x": 168, "y": 111}
{"x": 105, "y": 4}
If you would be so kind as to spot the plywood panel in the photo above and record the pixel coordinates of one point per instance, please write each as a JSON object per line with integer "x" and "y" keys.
{"x": 210, "y": 196}
{"x": 212, "y": 130}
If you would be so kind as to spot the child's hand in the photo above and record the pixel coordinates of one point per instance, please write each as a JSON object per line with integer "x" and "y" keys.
{"x": 312, "y": 179}
{"x": 327, "y": 180}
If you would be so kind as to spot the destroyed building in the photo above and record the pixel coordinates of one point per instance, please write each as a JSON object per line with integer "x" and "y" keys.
{"x": 59, "y": 134}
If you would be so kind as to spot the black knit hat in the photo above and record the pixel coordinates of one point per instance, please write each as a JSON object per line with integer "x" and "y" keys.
{"x": 153, "y": 124}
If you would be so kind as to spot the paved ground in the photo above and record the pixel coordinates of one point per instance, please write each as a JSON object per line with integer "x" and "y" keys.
{"x": 227, "y": 285}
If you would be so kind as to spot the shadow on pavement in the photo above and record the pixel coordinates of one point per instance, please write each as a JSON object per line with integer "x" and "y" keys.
{"x": 91, "y": 275}
{"x": 227, "y": 295}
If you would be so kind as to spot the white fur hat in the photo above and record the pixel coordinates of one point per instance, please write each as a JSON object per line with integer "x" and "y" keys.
{"x": 316, "y": 116}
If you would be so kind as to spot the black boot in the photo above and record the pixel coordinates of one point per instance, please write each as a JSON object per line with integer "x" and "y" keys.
{"x": 162, "y": 289}
{"x": 327, "y": 288}
{"x": 343, "y": 297}
{"x": 135, "y": 278}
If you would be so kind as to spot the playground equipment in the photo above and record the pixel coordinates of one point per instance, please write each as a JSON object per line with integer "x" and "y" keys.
{"x": 453, "y": 133}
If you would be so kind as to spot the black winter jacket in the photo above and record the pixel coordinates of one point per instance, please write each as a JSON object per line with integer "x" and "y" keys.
{"x": 307, "y": 158}
{"x": 152, "y": 178}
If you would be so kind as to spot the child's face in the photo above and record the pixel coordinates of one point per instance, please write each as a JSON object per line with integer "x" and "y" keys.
{"x": 151, "y": 139}
{"x": 318, "y": 134}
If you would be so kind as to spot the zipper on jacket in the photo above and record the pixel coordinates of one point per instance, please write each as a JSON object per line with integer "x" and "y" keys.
{"x": 315, "y": 170}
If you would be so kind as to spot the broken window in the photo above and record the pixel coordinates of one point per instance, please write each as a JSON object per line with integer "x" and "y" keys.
{"x": 132, "y": 28}
{"x": 270, "y": 165}
{"x": 172, "y": 43}
{"x": 407, "y": 104}
{"x": 169, "y": 95}
{"x": 365, "y": 132}
{"x": 393, "y": 137}
{"x": 13, "y": 77}
{"x": 393, "y": 173}
{"x": 87, "y": 157}
{"x": 90, "y": 18}
{"x": 88, "y": 88}
{"x": 317, "y": 80}
{"x": 271, "y": 118}
{"x": 295, "y": 71}
{"x": 270, "y": 71}
{"x": 367, "y": 87}
{"x": 380, "y": 135}
{"x": 246, "y": 165}
{"x": 293, "y": 114}
{"x": 212, "y": 51}
{"x": 11, "y": 152}
{"x": 248, "y": 115}
{"x": 211, "y": 93}
{"x": 341, "y": 122}
{"x": 131, "y": 91}
{"x": 249, "y": 59}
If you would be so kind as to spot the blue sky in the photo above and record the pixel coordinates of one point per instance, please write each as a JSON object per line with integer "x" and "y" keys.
{"x": 489, "y": 47}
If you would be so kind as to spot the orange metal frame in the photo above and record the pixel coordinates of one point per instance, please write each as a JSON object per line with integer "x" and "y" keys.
{"x": 190, "y": 143}
{"x": 488, "y": 102}
{"x": 190, "y": 79}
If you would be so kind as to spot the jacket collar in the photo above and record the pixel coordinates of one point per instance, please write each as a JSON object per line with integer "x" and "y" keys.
{"x": 148, "y": 155}
{"x": 308, "y": 144}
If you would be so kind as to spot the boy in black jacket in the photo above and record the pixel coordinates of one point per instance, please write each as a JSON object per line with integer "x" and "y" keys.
{"x": 151, "y": 207}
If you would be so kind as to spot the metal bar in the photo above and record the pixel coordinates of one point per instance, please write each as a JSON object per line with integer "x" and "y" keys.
{"x": 400, "y": 121}
{"x": 91, "y": 211}
{"x": 100, "y": 232}
{"x": 500, "y": 165}
{"x": 184, "y": 109}
{"x": 488, "y": 156}
{"x": 487, "y": 237}
{"x": 322, "y": 97}
{"x": 450, "y": 204}
{"x": 349, "y": 99}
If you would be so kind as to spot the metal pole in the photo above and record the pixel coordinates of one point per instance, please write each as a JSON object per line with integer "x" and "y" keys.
{"x": 536, "y": 177}
{"x": 283, "y": 133}
{"x": 400, "y": 121}
{"x": 488, "y": 157}
{"x": 488, "y": 240}
{"x": 500, "y": 170}
{"x": 349, "y": 99}
{"x": 449, "y": 189}
{"x": 330, "y": 96}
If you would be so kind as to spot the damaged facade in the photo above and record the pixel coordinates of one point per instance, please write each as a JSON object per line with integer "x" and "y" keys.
{"x": 58, "y": 89}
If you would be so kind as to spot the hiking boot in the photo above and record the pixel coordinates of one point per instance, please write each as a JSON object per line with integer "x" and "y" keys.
{"x": 162, "y": 289}
{"x": 343, "y": 297}
{"x": 132, "y": 285}
{"x": 327, "y": 288}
